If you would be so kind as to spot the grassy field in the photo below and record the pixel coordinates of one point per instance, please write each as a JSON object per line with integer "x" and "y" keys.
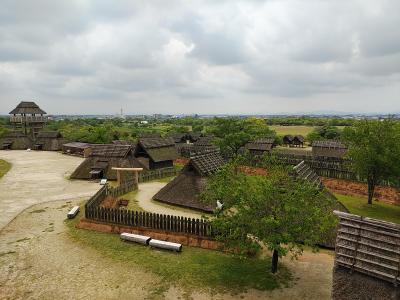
{"x": 293, "y": 130}
{"x": 378, "y": 210}
{"x": 193, "y": 268}
{"x": 4, "y": 167}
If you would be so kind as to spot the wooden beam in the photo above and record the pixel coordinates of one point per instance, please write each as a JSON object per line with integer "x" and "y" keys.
{"x": 127, "y": 169}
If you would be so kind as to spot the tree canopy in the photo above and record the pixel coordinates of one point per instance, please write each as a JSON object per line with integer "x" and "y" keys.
{"x": 374, "y": 147}
{"x": 276, "y": 211}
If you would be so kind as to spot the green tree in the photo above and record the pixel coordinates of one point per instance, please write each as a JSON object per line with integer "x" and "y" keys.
{"x": 277, "y": 212}
{"x": 324, "y": 133}
{"x": 233, "y": 133}
{"x": 374, "y": 147}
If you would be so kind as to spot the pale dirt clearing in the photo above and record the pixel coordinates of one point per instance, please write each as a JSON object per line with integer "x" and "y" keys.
{"x": 38, "y": 176}
{"x": 38, "y": 260}
{"x": 148, "y": 190}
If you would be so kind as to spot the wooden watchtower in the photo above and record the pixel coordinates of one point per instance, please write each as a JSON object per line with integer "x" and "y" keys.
{"x": 28, "y": 117}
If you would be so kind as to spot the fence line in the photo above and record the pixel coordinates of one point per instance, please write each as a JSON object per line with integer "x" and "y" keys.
{"x": 132, "y": 218}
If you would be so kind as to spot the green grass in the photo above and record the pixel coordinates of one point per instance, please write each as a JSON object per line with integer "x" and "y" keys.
{"x": 5, "y": 166}
{"x": 377, "y": 210}
{"x": 293, "y": 130}
{"x": 133, "y": 203}
{"x": 193, "y": 268}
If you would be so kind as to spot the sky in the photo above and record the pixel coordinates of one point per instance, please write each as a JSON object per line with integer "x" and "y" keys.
{"x": 205, "y": 57}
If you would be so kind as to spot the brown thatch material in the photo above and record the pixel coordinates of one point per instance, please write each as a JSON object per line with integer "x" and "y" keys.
{"x": 123, "y": 142}
{"x": 160, "y": 152}
{"x": 186, "y": 188}
{"x": 103, "y": 157}
{"x": 48, "y": 141}
{"x": 304, "y": 172}
{"x": 328, "y": 149}
{"x": 15, "y": 140}
{"x": 288, "y": 139}
{"x": 26, "y": 107}
{"x": 77, "y": 148}
{"x": 260, "y": 146}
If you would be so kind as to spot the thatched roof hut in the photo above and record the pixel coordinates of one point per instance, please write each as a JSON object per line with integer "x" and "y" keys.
{"x": 77, "y": 148}
{"x": 298, "y": 140}
{"x": 16, "y": 140}
{"x": 260, "y": 146}
{"x": 186, "y": 188}
{"x": 123, "y": 142}
{"x": 328, "y": 149}
{"x": 186, "y": 138}
{"x": 49, "y": 141}
{"x": 101, "y": 160}
{"x": 288, "y": 139}
{"x": 156, "y": 153}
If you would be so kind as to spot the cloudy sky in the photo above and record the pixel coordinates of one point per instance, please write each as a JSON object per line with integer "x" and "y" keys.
{"x": 99, "y": 56}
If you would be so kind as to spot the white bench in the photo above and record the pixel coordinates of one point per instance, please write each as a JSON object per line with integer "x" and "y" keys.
{"x": 165, "y": 245}
{"x": 73, "y": 212}
{"x": 141, "y": 239}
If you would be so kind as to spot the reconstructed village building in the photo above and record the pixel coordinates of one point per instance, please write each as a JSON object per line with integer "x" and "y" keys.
{"x": 186, "y": 188}
{"x": 16, "y": 140}
{"x": 48, "y": 141}
{"x": 101, "y": 160}
{"x": 29, "y": 118}
{"x": 334, "y": 149}
{"x": 156, "y": 153}
{"x": 260, "y": 146}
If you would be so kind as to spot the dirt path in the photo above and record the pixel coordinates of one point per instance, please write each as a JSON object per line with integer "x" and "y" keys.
{"x": 144, "y": 197}
{"x": 38, "y": 260}
{"x": 38, "y": 176}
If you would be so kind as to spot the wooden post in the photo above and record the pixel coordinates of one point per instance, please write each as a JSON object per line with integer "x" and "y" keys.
{"x": 119, "y": 177}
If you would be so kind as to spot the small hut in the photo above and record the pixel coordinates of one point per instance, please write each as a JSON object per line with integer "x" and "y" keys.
{"x": 123, "y": 142}
{"x": 16, "y": 140}
{"x": 260, "y": 146}
{"x": 185, "y": 189}
{"x": 156, "y": 153}
{"x": 298, "y": 141}
{"x": 328, "y": 149}
{"x": 77, "y": 149}
{"x": 288, "y": 140}
{"x": 103, "y": 157}
{"x": 48, "y": 141}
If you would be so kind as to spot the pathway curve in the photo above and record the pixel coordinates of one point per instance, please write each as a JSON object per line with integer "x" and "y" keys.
{"x": 148, "y": 190}
{"x": 36, "y": 177}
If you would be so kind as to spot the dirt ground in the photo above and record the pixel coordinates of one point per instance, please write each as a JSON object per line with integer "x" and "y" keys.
{"x": 38, "y": 176}
{"x": 38, "y": 260}
{"x": 353, "y": 188}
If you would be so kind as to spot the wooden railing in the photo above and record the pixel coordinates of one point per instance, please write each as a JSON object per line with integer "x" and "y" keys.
{"x": 27, "y": 119}
{"x": 369, "y": 246}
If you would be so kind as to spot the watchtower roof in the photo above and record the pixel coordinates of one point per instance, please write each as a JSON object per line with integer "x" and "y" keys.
{"x": 25, "y": 107}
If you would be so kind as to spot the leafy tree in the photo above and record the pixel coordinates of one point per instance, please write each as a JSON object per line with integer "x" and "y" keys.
{"x": 233, "y": 133}
{"x": 277, "y": 212}
{"x": 374, "y": 147}
{"x": 324, "y": 133}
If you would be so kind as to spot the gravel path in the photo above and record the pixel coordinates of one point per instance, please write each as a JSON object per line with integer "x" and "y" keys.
{"x": 38, "y": 176}
{"x": 144, "y": 197}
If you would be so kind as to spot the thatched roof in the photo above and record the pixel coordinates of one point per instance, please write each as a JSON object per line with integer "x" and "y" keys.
{"x": 305, "y": 172}
{"x": 149, "y": 135}
{"x": 110, "y": 150}
{"x": 186, "y": 188}
{"x": 264, "y": 144}
{"x": 298, "y": 138}
{"x": 329, "y": 144}
{"x": 78, "y": 145}
{"x": 27, "y": 108}
{"x": 204, "y": 141}
{"x": 368, "y": 246}
{"x": 158, "y": 149}
{"x": 288, "y": 138}
{"x": 49, "y": 135}
{"x": 14, "y": 134}
{"x": 123, "y": 142}
{"x": 207, "y": 163}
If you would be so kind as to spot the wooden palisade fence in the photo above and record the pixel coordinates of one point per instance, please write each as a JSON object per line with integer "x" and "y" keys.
{"x": 125, "y": 217}
{"x": 369, "y": 246}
